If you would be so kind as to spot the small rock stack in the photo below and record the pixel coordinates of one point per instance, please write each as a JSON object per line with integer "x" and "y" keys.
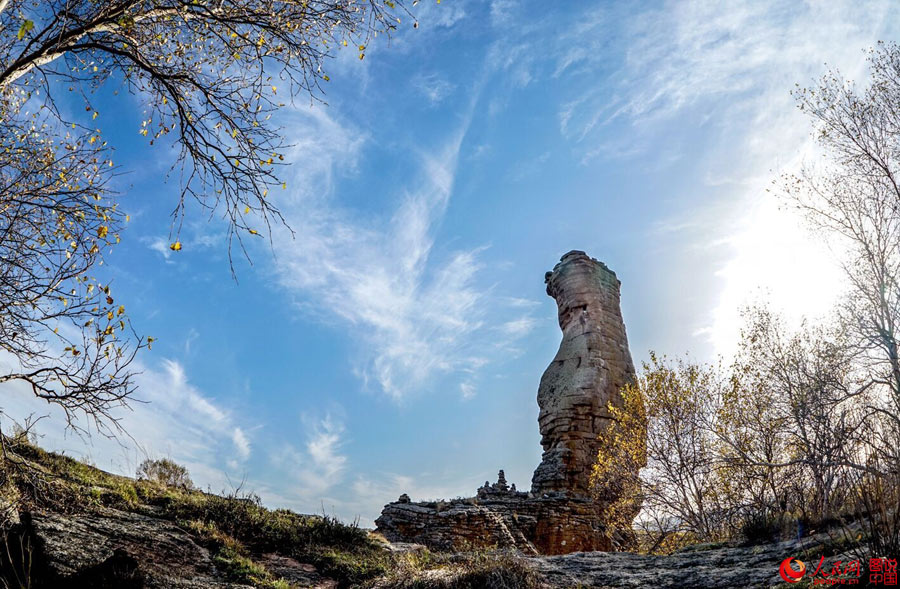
{"x": 558, "y": 516}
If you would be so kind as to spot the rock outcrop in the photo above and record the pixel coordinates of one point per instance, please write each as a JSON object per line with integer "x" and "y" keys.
{"x": 113, "y": 549}
{"x": 558, "y": 516}
{"x": 592, "y": 364}
{"x": 497, "y": 518}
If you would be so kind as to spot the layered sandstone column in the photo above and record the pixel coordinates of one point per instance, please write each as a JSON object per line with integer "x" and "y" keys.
{"x": 592, "y": 363}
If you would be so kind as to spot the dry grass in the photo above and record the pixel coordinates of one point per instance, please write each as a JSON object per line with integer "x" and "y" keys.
{"x": 476, "y": 570}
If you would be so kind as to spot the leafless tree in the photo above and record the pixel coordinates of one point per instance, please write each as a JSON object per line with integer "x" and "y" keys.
{"x": 853, "y": 199}
{"x": 798, "y": 400}
{"x": 211, "y": 73}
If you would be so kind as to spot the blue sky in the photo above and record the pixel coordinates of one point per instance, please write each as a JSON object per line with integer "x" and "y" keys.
{"x": 395, "y": 342}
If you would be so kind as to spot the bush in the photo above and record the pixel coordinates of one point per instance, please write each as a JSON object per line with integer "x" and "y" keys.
{"x": 165, "y": 472}
{"x": 762, "y": 528}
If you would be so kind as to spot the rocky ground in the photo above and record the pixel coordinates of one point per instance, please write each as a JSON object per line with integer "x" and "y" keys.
{"x": 114, "y": 548}
{"x": 701, "y": 566}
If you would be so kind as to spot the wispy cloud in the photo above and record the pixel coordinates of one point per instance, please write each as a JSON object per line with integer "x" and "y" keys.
{"x": 687, "y": 54}
{"x": 323, "y": 448}
{"x": 195, "y": 236}
{"x": 729, "y": 72}
{"x": 369, "y": 493}
{"x": 418, "y": 310}
{"x": 433, "y": 87}
{"x": 159, "y": 245}
{"x": 519, "y": 327}
{"x": 175, "y": 419}
{"x": 467, "y": 390}
{"x": 170, "y": 418}
{"x": 314, "y": 468}
{"x": 445, "y": 15}
{"x": 241, "y": 443}
{"x": 504, "y": 12}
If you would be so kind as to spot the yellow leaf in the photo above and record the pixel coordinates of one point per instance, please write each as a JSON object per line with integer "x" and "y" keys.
{"x": 175, "y": 247}
{"x": 246, "y": 210}
{"x": 102, "y": 231}
{"x": 121, "y": 310}
{"x": 96, "y": 114}
{"x": 109, "y": 315}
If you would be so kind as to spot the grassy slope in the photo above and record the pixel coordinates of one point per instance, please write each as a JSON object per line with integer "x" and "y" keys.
{"x": 238, "y": 529}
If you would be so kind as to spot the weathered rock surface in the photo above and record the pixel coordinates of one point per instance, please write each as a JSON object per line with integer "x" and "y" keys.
{"x": 122, "y": 550}
{"x": 162, "y": 551}
{"x": 116, "y": 549}
{"x": 592, "y": 363}
{"x": 719, "y": 568}
{"x": 557, "y": 516}
{"x": 497, "y": 519}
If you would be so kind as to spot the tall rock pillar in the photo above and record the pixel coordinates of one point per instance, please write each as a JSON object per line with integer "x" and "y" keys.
{"x": 592, "y": 363}
{"x": 559, "y": 516}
